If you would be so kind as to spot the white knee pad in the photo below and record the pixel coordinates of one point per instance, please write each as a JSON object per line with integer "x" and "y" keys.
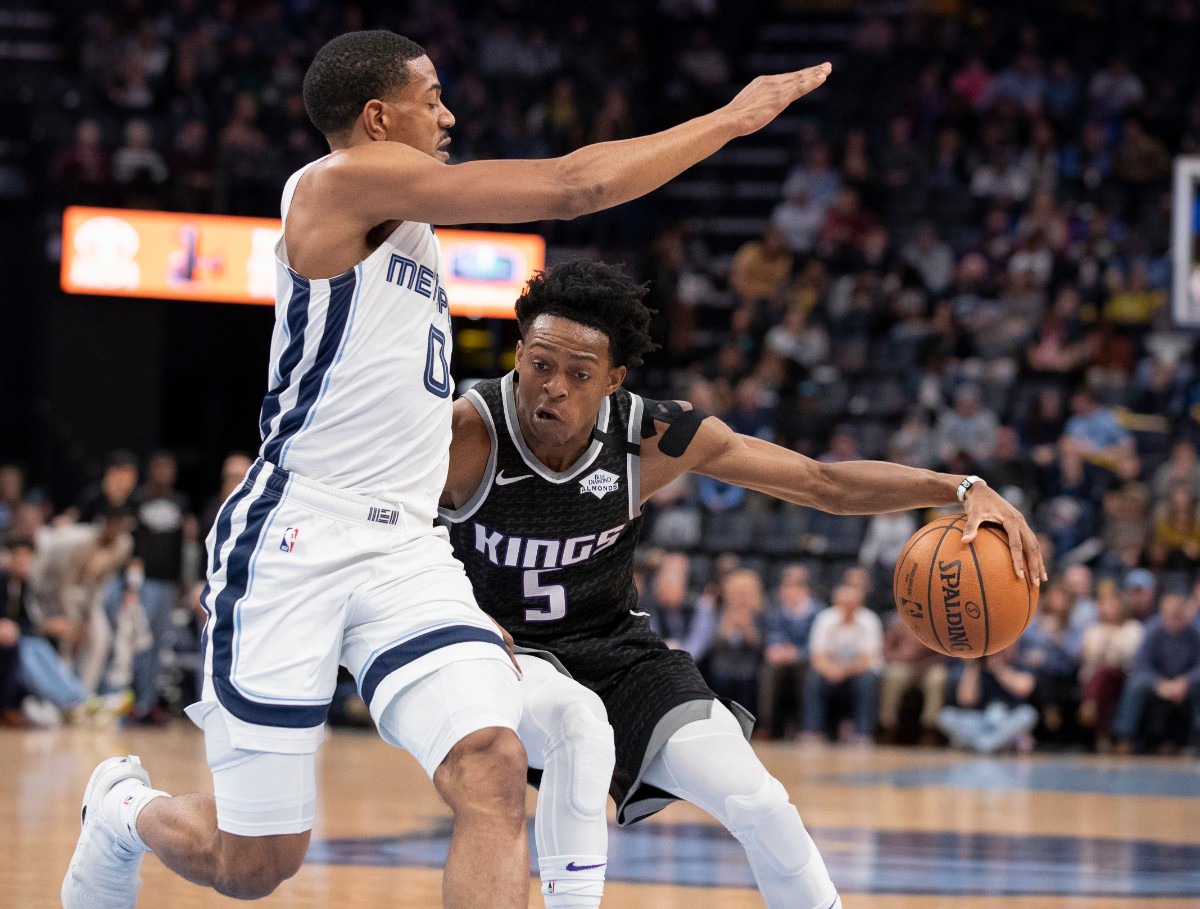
{"x": 587, "y": 741}
{"x": 768, "y": 825}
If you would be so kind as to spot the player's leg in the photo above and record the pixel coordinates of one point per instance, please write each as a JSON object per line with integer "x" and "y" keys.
{"x": 459, "y": 722}
{"x": 243, "y": 843}
{"x": 254, "y": 833}
{"x": 566, "y": 734}
{"x": 710, "y": 763}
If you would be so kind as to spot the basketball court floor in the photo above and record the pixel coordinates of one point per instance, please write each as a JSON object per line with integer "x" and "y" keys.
{"x": 899, "y": 828}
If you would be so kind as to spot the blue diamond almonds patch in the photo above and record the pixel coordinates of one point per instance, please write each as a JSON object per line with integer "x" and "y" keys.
{"x": 600, "y": 483}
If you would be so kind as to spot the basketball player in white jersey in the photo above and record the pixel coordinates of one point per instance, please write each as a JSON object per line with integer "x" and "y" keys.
{"x": 328, "y": 552}
{"x": 549, "y": 469}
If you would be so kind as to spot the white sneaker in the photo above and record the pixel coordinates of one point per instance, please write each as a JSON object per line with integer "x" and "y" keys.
{"x": 104, "y": 868}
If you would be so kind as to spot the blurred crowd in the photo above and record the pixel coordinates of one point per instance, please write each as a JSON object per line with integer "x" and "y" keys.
{"x": 965, "y": 266}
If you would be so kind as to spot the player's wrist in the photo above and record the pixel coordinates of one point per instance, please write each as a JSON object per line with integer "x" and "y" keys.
{"x": 966, "y": 485}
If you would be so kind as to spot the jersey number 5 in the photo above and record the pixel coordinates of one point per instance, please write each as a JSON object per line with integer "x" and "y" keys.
{"x": 555, "y": 594}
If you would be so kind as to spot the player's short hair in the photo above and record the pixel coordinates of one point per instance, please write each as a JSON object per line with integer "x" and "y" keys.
{"x": 595, "y": 294}
{"x": 352, "y": 69}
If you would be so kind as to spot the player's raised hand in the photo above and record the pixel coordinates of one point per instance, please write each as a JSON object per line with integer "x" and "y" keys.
{"x": 986, "y": 506}
{"x": 765, "y": 98}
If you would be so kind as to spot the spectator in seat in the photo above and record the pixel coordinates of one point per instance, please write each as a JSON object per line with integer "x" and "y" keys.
{"x": 162, "y": 515}
{"x": 90, "y": 567}
{"x": 1095, "y": 432}
{"x": 44, "y": 675}
{"x": 737, "y": 648}
{"x": 761, "y": 268}
{"x": 1182, "y": 467}
{"x": 789, "y": 624}
{"x": 992, "y": 710}
{"x": 1175, "y": 540}
{"x": 683, "y": 624}
{"x": 1050, "y": 650}
{"x": 846, "y": 655}
{"x": 969, "y": 427}
{"x": 1166, "y": 668}
{"x": 233, "y": 470}
{"x": 1140, "y": 588}
{"x": 139, "y": 168}
{"x": 12, "y": 491}
{"x": 1108, "y": 651}
{"x": 907, "y": 663}
{"x": 114, "y": 489}
{"x": 884, "y": 543}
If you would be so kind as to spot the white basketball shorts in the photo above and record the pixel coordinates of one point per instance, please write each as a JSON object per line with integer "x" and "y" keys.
{"x": 303, "y": 577}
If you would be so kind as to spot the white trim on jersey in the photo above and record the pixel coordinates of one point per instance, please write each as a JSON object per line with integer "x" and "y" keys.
{"x": 508, "y": 393}
{"x": 472, "y": 505}
{"x": 633, "y": 458}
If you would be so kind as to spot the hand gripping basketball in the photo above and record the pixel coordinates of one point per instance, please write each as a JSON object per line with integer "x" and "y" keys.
{"x": 984, "y": 505}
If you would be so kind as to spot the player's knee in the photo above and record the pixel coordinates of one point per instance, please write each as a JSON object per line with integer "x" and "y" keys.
{"x": 485, "y": 772}
{"x": 251, "y": 871}
{"x": 767, "y": 824}
{"x": 588, "y": 740}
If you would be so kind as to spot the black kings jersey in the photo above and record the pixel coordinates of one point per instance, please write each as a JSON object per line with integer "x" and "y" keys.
{"x": 550, "y": 554}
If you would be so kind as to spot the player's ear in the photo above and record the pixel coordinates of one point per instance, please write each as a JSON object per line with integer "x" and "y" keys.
{"x": 616, "y": 376}
{"x": 374, "y": 120}
{"x": 519, "y": 355}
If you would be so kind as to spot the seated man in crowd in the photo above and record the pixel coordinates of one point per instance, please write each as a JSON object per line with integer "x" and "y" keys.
{"x": 683, "y": 624}
{"x": 44, "y": 674}
{"x": 907, "y": 663}
{"x": 1109, "y": 649}
{"x": 846, "y": 650}
{"x": 789, "y": 624}
{"x": 993, "y": 710}
{"x": 1166, "y": 669}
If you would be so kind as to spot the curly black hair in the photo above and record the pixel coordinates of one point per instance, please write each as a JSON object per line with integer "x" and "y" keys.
{"x": 595, "y": 294}
{"x": 352, "y": 69}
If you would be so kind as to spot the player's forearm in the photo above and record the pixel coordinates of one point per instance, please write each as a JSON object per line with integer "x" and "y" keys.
{"x": 849, "y": 487}
{"x": 871, "y": 487}
{"x": 611, "y": 173}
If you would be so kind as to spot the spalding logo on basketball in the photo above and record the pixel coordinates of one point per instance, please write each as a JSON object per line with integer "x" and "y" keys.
{"x": 963, "y": 601}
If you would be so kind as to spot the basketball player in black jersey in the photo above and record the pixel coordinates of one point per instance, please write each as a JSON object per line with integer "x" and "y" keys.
{"x": 549, "y": 468}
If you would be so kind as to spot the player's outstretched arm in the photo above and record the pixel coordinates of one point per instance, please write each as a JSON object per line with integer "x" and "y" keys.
{"x": 849, "y": 487}
{"x": 386, "y": 181}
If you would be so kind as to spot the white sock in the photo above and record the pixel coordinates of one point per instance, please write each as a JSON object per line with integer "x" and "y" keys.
{"x": 126, "y": 800}
{"x": 572, "y": 881}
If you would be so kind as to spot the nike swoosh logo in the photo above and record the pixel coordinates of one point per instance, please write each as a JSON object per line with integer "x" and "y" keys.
{"x": 502, "y": 480}
{"x": 635, "y": 612}
{"x": 571, "y": 866}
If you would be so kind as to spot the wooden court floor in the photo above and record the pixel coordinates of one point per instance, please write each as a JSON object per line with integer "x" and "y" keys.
{"x": 899, "y": 828}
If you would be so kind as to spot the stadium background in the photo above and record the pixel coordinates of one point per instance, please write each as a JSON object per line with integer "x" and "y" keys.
{"x": 974, "y": 218}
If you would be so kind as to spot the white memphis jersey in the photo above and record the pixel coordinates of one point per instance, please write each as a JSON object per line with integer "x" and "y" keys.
{"x": 359, "y": 394}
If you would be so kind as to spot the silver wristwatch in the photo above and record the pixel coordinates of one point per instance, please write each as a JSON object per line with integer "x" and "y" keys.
{"x": 966, "y": 484}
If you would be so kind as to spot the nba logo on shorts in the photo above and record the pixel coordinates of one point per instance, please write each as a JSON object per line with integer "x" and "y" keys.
{"x": 288, "y": 543}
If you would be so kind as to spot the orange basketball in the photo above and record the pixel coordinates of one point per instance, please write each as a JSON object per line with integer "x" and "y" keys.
{"x": 963, "y": 601}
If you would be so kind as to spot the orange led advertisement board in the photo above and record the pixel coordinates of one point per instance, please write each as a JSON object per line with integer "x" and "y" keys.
{"x": 226, "y": 259}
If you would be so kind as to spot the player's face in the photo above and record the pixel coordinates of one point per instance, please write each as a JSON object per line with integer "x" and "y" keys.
{"x": 423, "y": 121}
{"x": 565, "y": 372}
